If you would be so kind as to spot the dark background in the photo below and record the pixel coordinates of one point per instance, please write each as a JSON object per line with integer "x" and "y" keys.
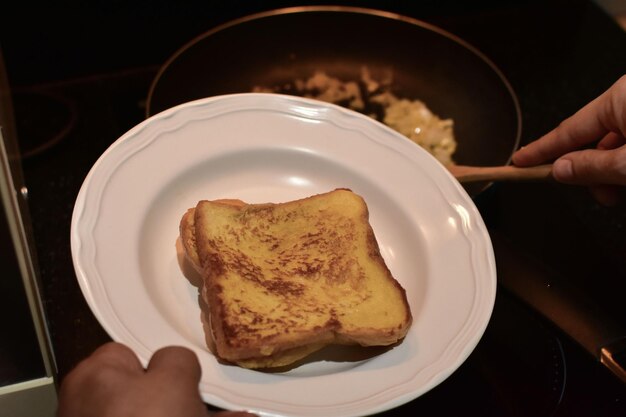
{"x": 52, "y": 41}
{"x": 47, "y": 41}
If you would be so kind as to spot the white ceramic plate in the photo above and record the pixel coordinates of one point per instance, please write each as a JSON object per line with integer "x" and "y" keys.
{"x": 273, "y": 148}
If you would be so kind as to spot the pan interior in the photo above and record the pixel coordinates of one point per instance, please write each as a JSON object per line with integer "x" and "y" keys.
{"x": 454, "y": 79}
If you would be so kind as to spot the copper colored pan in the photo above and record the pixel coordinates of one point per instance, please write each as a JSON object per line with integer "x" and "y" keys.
{"x": 453, "y": 78}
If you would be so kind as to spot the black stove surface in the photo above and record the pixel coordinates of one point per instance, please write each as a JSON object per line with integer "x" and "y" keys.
{"x": 558, "y": 55}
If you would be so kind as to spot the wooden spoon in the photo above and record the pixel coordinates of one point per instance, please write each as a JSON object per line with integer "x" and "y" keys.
{"x": 465, "y": 174}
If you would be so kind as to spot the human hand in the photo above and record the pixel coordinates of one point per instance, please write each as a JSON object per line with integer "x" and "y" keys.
{"x": 113, "y": 383}
{"x": 603, "y": 169}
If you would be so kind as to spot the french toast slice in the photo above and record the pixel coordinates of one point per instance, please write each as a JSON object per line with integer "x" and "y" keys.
{"x": 284, "y": 280}
{"x": 187, "y": 232}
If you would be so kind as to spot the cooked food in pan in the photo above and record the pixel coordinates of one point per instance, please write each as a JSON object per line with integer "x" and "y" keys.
{"x": 373, "y": 97}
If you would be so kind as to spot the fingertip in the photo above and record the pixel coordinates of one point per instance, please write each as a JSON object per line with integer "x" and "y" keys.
{"x": 106, "y": 363}
{"x": 176, "y": 359}
{"x": 563, "y": 170}
{"x": 180, "y": 352}
{"x": 523, "y": 157}
{"x": 518, "y": 157}
{"x": 116, "y": 354}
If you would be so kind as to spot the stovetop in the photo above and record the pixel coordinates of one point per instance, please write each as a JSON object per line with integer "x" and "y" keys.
{"x": 557, "y": 55}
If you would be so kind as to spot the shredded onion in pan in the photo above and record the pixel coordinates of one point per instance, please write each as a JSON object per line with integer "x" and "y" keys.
{"x": 412, "y": 118}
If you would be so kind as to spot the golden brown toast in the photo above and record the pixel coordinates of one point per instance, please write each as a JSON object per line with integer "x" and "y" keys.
{"x": 188, "y": 232}
{"x": 283, "y": 280}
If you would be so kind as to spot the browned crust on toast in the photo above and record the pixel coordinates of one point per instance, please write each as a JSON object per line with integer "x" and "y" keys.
{"x": 308, "y": 273}
{"x": 187, "y": 232}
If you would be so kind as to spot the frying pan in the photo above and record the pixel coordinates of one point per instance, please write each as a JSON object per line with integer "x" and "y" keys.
{"x": 454, "y": 79}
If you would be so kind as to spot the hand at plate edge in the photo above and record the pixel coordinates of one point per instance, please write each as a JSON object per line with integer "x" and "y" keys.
{"x": 111, "y": 382}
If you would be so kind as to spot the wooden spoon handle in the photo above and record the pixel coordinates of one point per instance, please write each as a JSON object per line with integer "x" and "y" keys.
{"x": 466, "y": 174}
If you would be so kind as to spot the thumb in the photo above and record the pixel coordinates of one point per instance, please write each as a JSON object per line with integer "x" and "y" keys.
{"x": 591, "y": 167}
{"x": 176, "y": 363}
